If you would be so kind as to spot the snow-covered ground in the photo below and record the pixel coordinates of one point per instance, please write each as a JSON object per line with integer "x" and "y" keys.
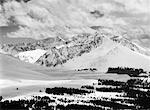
{"x": 5, "y": 83}
{"x": 8, "y": 86}
{"x": 97, "y": 95}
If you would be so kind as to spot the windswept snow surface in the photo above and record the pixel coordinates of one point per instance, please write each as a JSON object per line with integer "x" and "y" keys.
{"x": 12, "y": 68}
{"x": 31, "y": 56}
{"x": 5, "y": 83}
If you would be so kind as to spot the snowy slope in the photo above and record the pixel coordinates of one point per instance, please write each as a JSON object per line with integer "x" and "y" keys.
{"x": 31, "y": 56}
{"x": 125, "y": 57}
{"x": 12, "y": 68}
{"x": 110, "y": 54}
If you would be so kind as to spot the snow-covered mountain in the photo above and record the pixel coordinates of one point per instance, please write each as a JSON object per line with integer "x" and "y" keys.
{"x": 79, "y": 33}
{"x": 110, "y": 54}
{"x": 95, "y": 51}
{"x": 98, "y": 50}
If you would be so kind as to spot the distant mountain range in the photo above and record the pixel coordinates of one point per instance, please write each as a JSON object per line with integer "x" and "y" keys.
{"x": 83, "y": 51}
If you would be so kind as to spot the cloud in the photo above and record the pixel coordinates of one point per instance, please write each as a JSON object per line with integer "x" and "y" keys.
{"x": 136, "y": 6}
{"x": 47, "y": 18}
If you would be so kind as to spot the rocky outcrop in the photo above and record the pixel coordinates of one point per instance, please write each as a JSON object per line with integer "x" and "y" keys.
{"x": 78, "y": 46}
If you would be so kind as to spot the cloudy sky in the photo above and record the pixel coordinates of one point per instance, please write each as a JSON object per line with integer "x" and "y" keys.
{"x": 39, "y": 19}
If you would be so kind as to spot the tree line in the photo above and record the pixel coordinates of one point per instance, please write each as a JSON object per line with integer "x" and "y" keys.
{"x": 63, "y": 90}
{"x": 125, "y": 70}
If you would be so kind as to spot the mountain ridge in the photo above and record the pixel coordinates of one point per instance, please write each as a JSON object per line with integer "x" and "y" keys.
{"x": 98, "y": 46}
